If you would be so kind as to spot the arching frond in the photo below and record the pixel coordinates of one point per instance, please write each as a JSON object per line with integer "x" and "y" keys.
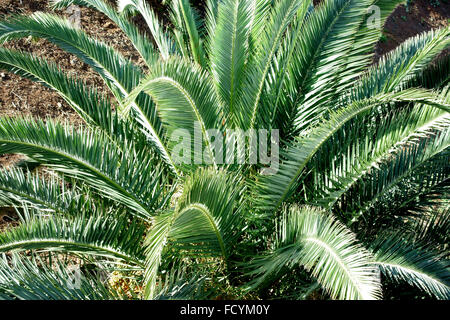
{"x": 404, "y": 262}
{"x": 17, "y": 188}
{"x": 277, "y": 188}
{"x": 119, "y": 74}
{"x": 211, "y": 198}
{"x": 163, "y": 40}
{"x": 186, "y": 101}
{"x": 436, "y": 75}
{"x": 205, "y": 222}
{"x": 100, "y": 235}
{"x": 401, "y": 66}
{"x": 360, "y": 57}
{"x": 327, "y": 249}
{"x": 92, "y": 107}
{"x": 408, "y": 174}
{"x": 95, "y": 109}
{"x": 363, "y": 154}
{"x": 140, "y": 42}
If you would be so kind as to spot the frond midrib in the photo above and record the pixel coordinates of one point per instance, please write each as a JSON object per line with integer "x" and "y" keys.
{"x": 266, "y": 68}
{"x": 384, "y": 155}
{"x": 205, "y": 211}
{"x": 58, "y": 241}
{"x": 404, "y": 175}
{"x": 84, "y": 164}
{"x": 193, "y": 105}
{"x": 408, "y": 269}
{"x": 31, "y": 199}
{"x": 337, "y": 258}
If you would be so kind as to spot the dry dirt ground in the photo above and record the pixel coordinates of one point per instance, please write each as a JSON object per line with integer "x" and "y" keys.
{"x": 21, "y": 97}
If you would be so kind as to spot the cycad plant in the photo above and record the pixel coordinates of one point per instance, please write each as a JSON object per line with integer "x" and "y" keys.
{"x": 353, "y": 206}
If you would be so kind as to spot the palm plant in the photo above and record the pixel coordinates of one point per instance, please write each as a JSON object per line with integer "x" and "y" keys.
{"x": 360, "y": 197}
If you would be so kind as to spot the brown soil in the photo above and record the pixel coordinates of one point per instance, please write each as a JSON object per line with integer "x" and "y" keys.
{"x": 421, "y": 16}
{"x": 8, "y": 218}
{"x": 21, "y": 97}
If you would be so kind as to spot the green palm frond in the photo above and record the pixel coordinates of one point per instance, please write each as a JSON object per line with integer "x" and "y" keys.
{"x": 401, "y": 261}
{"x": 33, "y": 278}
{"x": 399, "y": 67}
{"x": 333, "y": 28}
{"x": 211, "y": 15}
{"x": 86, "y": 155}
{"x": 282, "y": 77}
{"x": 387, "y": 7}
{"x": 183, "y": 94}
{"x": 163, "y": 40}
{"x": 411, "y": 172}
{"x": 188, "y": 30}
{"x": 275, "y": 189}
{"x": 432, "y": 227}
{"x": 278, "y": 20}
{"x": 139, "y": 41}
{"x": 229, "y": 50}
{"x": 156, "y": 242}
{"x": 206, "y": 222}
{"x": 313, "y": 239}
{"x": 95, "y": 109}
{"x": 435, "y": 75}
{"x": 212, "y": 197}
{"x": 394, "y": 132}
{"x": 145, "y": 118}
{"x": 119, "y": 74}
{"x": 17, "y": 188}
{"x": 99, "y": 235}
{"x": 260, "y": 18}
{"x": 90, "y": 105}
{"x": 362, "y": 53}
